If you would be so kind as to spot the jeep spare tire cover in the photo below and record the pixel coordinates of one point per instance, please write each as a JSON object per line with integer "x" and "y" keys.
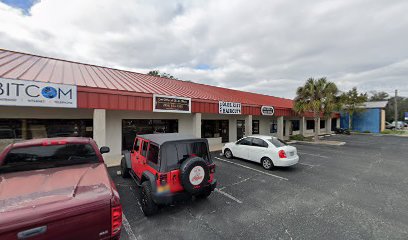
{"x": 194, "y": 174}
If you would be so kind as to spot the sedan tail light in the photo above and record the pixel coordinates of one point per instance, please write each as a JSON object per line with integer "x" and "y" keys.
{"x": 282, "y": 154}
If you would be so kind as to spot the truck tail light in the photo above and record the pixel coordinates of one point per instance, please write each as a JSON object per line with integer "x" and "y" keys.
{"x": 282, "y": 154}
{"x": 116, "y": 212}
{"x": 116, "y": 219}
{"x": 163, "y": 179}
{"x": 212, "y": 168}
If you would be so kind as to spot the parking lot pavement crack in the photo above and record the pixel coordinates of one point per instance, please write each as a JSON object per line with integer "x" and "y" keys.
{"x": 205, "y": 223}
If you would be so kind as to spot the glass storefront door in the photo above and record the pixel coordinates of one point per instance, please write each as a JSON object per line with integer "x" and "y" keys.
{"x": 240, "y": 129}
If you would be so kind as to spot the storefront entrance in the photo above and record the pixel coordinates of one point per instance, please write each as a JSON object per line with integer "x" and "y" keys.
{"x": 240, "y": 129}
{"x": 215, "y": 129}
{"x": 133, "y": 127}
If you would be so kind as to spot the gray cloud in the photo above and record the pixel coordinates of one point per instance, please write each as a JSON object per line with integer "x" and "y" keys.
{"x": 269, "y": 47}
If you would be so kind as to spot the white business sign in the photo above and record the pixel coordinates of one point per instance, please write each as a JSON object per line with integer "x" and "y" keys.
{"x": 37, "y": 94}
{"x": 267, "y": 110}
{"x": 229, "y": 107}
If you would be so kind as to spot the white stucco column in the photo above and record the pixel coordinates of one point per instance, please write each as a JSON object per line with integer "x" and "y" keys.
{"x": 288, "y": 124}
{"x": 302, "y": 126}
{"x": 99, "y": 126}
{"x": 338, "y": 123}
{"x": 197, "y": 125}
{"x": 248, "y": 125}
{"x": 232, "y": 124}
{"x": 328, "y": 125}
{"x": 280, "y": 128}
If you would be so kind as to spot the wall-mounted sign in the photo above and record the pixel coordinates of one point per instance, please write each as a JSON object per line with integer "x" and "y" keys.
{"x": 171, "y": 104}
{"x": 229, "y": 107}
{"x": 37, "y": 94}
{"x": 267, "y": 110}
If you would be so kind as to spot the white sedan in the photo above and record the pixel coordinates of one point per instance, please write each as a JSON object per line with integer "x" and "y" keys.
{"x": 267, "y": 150}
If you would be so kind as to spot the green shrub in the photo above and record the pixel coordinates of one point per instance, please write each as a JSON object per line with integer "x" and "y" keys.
{"x": 297, "y": 137}
{"x": 366, "y": 131}
{"x": 389, "y": 131}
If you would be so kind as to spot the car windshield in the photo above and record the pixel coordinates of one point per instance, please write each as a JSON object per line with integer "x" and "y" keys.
{"x": 277, "y": 142}
{"x": 41, "y": 157}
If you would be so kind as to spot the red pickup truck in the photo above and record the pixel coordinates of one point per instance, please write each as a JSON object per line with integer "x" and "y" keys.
{"x": 57, "y": 189}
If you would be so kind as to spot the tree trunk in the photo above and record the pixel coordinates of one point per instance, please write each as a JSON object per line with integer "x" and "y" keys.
{"x": 350, "y": 122}
{"x": 316, "y": 127}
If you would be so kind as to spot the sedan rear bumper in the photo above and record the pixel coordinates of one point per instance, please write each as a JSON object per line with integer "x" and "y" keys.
{"x": 286, "y": 162}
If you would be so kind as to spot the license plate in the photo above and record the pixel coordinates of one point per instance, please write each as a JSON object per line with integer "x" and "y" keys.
{"x": 161, "y": 189}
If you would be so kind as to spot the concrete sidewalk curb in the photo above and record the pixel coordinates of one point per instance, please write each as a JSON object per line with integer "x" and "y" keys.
{"x": 331, "y": 143}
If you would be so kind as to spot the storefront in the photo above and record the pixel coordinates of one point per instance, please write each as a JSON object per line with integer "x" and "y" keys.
{"x": 44, "y": 97}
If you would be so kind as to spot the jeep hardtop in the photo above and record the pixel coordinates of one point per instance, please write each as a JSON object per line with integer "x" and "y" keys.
{"x": 169, "y": 167}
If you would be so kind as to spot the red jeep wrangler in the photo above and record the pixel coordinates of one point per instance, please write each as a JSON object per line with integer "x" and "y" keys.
{"x": 169, "y": 167}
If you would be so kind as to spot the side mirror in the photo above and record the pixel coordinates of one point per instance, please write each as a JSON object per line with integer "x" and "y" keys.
{"x": 104, "y": 150}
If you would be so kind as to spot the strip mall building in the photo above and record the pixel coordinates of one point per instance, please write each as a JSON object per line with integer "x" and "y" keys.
{"x": 46, "y": 97}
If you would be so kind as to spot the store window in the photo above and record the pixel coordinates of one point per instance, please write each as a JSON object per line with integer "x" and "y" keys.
{"x": 274, "y": 126}
{"x": 215, "y": 129}
{"x": 255, "y": 126}
{"x": 310, "y": 124}
{"x": 295, "y": 125}
{"x": 322, "y": 124}
{"x": 133, "y": 127}
{"x": 12, "y": 130}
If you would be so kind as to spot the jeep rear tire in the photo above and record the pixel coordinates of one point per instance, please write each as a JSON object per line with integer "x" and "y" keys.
{"x": 205, "y": 194}
{"x": 149, "y": 207}
{"x": 124, "y": 169}
{"x": 194, "y": 175}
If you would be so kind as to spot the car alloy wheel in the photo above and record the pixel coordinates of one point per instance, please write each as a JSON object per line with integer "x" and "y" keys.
{"x": 228, "y": 153}
{"x": 267, "y": 163}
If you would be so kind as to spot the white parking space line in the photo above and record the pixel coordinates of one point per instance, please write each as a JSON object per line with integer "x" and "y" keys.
{"x": 128, "y": 228}
{"x": 310, "y": 165}
{"x": 253, "y": 169}
{"x": 228, "y": 195}
{"x": 314, "y": 155}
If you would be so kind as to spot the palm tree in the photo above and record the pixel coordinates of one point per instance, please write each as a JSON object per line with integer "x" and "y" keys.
{"x": 318, "y": 96}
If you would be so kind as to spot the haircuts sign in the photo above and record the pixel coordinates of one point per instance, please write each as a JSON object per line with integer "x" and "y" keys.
{"x": 229, "y": 107}
{"x": 267, "y": 110}
{"x": 171, "y": 104}
{"x": 37, "y": 94}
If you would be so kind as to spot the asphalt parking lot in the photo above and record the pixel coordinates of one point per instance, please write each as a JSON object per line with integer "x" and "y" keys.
{"x": 355, "y": 191}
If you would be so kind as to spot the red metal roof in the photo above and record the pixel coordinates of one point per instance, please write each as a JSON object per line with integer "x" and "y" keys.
{"x": 91, "y": 79}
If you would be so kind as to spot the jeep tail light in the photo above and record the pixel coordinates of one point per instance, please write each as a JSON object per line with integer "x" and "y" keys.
{"x": 212, "y": 168}
{"x": 282, "y": 154}
{"x": 116, "y": 219}
{"x": 163, "y": 179}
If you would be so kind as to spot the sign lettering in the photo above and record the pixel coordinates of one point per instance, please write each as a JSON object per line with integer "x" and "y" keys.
{"x": 37, "y": 94}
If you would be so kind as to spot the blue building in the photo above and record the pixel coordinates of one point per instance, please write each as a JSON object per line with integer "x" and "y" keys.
{"x": 372, "y": 119}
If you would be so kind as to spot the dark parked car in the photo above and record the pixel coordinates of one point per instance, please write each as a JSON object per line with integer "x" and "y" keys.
{"x": 57, "y": 189}
{"x": 169, "y": 167}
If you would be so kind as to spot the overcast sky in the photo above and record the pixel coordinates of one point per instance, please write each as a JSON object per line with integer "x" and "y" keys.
{"x": 268, "y": 47}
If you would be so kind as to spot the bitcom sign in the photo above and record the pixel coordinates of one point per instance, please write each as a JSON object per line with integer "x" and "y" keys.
{"x": 38, "y": 94}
